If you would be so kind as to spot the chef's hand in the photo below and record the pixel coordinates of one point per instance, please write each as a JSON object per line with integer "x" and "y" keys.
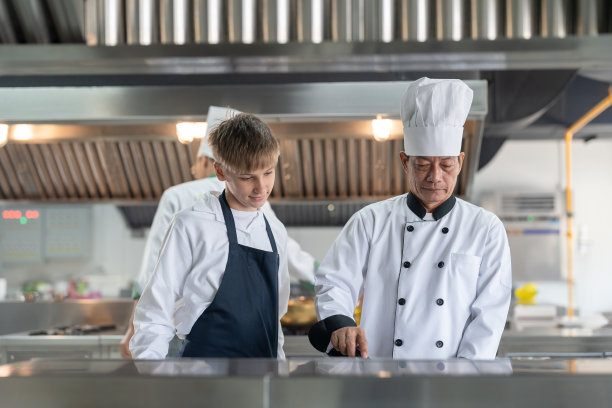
{"x": 124, "y": 345}
{"x": 347, "y": 339}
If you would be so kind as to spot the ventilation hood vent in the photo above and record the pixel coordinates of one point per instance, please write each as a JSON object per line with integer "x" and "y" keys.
{"x": 535, "y": 203}
{"x": 327, "y": 153}
{"x": 522, "y": 205}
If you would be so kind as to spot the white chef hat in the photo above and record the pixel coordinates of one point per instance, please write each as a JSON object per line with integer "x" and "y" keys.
{"x": 216, "y": 115}
{"x": 433, "y": 114}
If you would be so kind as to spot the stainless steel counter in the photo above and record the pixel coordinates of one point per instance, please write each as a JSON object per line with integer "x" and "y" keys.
{"x": 555, "y": 341}
{"x": 21, "y": 347}
{"x": 322, "y": 382}
{"x": 532, "y": 342}
{"x": 17, "y": 317}
{"x": 528, "y": 342}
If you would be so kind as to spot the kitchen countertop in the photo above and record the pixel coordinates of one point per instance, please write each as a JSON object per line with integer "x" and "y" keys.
{"x": 528, "y": 342}
{"x": 550, "y": 339}
{"x": 300, "y": 382}
{"x": 307, "y": 379}
{"x": 24, "y": 339}
{"x": 21, "y": 346}
{"x": 531, "y": 341}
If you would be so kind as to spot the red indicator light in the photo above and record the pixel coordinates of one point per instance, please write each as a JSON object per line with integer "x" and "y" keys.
{"x": 17, "y": 215}
{"x": 11, "y": 214}
{"x": 31, "y": 214}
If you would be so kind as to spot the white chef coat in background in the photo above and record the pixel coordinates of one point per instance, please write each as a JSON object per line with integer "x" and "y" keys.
{"x": 190, "y": 269}
{"x": 450, "y": 300}
{"x": 181, "y": 196}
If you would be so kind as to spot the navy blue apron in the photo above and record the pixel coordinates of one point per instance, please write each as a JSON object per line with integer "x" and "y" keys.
{"x": 242, "y": 320}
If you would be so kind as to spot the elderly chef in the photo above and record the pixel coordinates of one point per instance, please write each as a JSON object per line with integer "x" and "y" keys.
{"x": 434, "y": 269}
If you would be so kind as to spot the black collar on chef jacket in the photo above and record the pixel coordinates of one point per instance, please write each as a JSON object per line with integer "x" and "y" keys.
{"x": 416, "y": 207}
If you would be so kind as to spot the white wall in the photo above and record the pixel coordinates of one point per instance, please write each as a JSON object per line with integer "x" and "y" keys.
{"x": 315, "y": 240}
{"x": 540, "y": 165}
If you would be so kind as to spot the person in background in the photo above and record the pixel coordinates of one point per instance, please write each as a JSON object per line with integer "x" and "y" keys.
{"x": 301, "y": 264}
{"x": 223, "y": 258}
{"x": 434, "y": 269}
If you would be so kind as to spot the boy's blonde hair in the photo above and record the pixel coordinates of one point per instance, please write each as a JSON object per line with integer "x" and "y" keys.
{"x": 244, "y": 143}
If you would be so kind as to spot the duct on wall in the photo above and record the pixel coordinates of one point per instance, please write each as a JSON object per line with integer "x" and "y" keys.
{"x": 415, "y": 20}
{"x": 112, "y": 22}
{"x": 591, "y": 17}
{"x": 555, "y": 18}
{"x": 485, "y": 19}
{"x": 141, "y": 18}
{"x": 363, "y": 20}
{"x": 145, "y": 22}
{"x": 276, "y": 21}
{"x": 176, "y": 22}
{"x": 449, "y": 20}
{"x": 520, "y": 19}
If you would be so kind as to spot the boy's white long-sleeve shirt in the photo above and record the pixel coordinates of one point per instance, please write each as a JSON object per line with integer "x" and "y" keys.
{"x": 189, "y": 271}
{"x": 181, "y": 196}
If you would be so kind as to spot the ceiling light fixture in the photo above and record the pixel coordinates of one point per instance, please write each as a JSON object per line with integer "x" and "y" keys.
{"x": 187, "y": 131}
{"x": 381, "y": 128}
{"x": 22, "y": 132}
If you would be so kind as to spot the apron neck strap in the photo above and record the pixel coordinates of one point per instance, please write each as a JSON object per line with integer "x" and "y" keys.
{"x": 231, "y": 226}
{"x": 270, "y": 236}
{"x": 229, "y": 219}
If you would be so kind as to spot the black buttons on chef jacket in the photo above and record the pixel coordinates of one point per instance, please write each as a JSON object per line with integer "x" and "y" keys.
{"x": 439, "y": 344}
{"x": 410, "y": 228}
{"x": 399, "y": 342}
{"x": 406, "y": 264}
{"x": 445, "y": 230}
{"x": 440, "y": 264}
{"x": 439, "y": 302}
{"x": 401, "y": 301}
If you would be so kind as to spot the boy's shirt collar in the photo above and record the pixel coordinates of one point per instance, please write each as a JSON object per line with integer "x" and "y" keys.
{"x": 209, "y": 203}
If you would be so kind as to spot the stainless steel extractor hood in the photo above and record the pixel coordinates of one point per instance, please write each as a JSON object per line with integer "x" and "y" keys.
{"x": 327, "y": 149}
{"x": 104, "y": 81}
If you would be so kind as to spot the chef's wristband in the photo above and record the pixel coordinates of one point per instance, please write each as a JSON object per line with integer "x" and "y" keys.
{"x": 320, "y": 334}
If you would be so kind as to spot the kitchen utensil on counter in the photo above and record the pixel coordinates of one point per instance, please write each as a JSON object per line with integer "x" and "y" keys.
{"x": 74, "y": 330}
{"x": 300, "y": 312}
{"x": 526, "y": 294}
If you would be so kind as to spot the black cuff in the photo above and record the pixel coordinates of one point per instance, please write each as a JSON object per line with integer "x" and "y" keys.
{"x": 335, "y": 353}
{"x": 320, "y": 334}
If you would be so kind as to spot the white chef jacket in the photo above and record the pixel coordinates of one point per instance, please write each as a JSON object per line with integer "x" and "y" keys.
{"x": 433, "y": 289}
{"x": 181, "y": 196}
{"x": 189, "y": 271}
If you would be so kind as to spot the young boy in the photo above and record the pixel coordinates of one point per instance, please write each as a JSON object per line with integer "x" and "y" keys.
{"x": 222, "y": 262}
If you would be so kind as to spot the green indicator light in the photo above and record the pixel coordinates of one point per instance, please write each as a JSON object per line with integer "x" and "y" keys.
{"x": 23, "y": 220}
{"x": 530, "y": 218}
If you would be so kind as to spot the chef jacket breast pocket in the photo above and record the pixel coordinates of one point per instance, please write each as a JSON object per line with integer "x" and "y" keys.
{"x": 464, "y": 274}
